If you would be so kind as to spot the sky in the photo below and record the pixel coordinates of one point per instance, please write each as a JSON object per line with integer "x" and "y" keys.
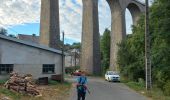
{"x": 23, "y": 17}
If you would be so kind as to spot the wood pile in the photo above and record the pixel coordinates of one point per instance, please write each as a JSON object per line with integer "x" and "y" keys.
{"x": 22, "y": 84}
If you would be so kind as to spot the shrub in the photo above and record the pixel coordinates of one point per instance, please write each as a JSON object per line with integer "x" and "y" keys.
{"x": 167, "y": 88}
{"x": 2, "y": 82}
{"x": 69, "y": 70}
{"x": 52, "y": 82}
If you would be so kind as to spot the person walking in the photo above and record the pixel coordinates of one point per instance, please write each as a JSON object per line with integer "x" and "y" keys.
{"x": 81, "y": 86}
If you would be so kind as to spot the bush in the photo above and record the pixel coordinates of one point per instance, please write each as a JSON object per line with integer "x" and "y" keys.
{"x": 141, "y": 82}
{"x": 52, "y": 82}
{"x": 167, "y": 88}
{"x": 2, "y": 82}
{"x": 135, "y": 85}
{"x": 70, "y": 70}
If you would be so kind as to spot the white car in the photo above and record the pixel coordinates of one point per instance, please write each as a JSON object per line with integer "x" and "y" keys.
{"x": 112, "y": 76}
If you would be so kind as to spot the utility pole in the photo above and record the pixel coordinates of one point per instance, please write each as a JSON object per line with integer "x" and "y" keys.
{"x": 63, "y": 57}
{"x": 147, "y": 49}
{"x": 75, "y": 58}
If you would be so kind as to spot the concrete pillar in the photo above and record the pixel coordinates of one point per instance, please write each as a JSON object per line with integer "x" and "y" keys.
{"x": 49, "y": 23}
{"x": 118, "y": 30}
{"x": 135, "y": 12}
{"x": 90, "y": 57}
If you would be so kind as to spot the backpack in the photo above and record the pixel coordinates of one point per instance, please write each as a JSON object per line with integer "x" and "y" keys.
{"x": 83, "y": 81}
{"x": 81, "y": 88}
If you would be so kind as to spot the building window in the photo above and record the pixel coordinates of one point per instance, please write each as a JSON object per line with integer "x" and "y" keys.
{"x": 48, "y": 68}
{"x": 6, "y": 68}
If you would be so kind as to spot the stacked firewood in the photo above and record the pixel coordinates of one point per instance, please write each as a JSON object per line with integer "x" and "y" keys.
{"x": 22, "y": 84}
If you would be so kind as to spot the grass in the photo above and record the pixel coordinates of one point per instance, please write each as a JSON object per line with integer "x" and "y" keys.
{"x": 135, "y": 85}
{"x": 52, "y": 83}
{"x": 7, "y": 92}
{"x": 154, "y": 94}
{"x": 13, "y": 95}
{"x": 2, "y": 82}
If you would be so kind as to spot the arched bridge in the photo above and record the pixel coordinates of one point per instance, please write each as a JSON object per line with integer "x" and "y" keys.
{"x": 90, "y": 33}
{"x": 90, "y": 57}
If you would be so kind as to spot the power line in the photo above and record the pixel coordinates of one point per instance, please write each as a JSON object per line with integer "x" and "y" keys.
{"x": 14, "y": 31}
{"x": 11, "y": 30}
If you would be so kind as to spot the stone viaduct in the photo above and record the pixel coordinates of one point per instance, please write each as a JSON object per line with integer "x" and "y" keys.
{"x": 90, "y": 57}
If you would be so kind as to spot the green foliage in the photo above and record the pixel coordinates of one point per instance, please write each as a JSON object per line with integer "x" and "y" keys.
{"x": 135, "y": 85}
{"x": 131, "y": 53}
{"x": 76, "y": 46}
{"x": 3, "y": 31}
{"x": 70, "y": 70}
{"x": 15, "y": 96}
{"x": 68, "y": 47}
{"x": 52, "y": 82}
{"x": 160, "y": 23}
{"x": 155, "y": 93}
{"x": 11, "y": 35}
{"x": 2, "y": 82}
{"x": 105, "y": 49}
{"x": 167, "y": 88}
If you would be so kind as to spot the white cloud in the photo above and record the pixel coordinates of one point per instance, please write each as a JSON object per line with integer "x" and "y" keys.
{"x": 17, "y": 12}
{"x": 14, "y": 12}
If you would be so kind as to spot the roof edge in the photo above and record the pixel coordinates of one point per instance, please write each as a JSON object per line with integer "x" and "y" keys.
{"x": 39, "y": 46}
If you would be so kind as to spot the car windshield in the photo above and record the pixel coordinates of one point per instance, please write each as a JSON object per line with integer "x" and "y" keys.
{"x": 112, "y": 73}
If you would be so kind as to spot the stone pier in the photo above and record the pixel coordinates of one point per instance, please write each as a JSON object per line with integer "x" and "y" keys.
{"x": 90, "y": 57}
{"x": 49, "y": 24}
{"x": 118, "y": 30}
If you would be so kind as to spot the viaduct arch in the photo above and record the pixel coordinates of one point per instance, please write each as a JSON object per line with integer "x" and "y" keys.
{"x": 90, "y": 57}
{"x": 90, "y": 60}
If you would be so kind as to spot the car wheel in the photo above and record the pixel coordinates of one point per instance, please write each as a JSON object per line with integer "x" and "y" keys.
{"x": 105, "y": 79}
{"x": 108, "y": 79}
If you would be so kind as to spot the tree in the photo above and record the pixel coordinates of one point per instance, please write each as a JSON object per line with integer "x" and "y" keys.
{"x": 131, "y": 51}
{"x": 76, "y": 46}
{"x": 160, "y": 14}
{"x": 105, "y": 49}
{"x": 131, "y": 54}
{"x": 11, "y": 35}
{"x": 3, "y": 31}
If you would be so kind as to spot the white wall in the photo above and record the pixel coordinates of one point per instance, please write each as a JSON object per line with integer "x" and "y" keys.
{"x": 34, "y": 69}
{"x": 27, "y": 59}
{"x": 14, "y": 53}
{"x": 70, "y": 61}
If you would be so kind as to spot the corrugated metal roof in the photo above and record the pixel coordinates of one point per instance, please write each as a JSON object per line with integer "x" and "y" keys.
{"x": 43, "y": 47}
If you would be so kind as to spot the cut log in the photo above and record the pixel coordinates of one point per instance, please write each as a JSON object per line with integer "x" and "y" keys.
{"x": 22, "y": 84}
